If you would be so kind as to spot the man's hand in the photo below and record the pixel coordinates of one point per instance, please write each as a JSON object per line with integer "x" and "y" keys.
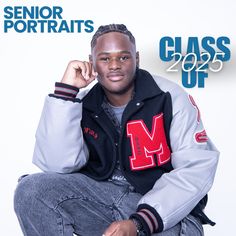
{"x": 121, "y": 228}
{"x": 79, "y": 74}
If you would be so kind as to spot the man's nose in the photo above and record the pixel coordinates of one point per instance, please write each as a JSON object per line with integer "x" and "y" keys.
{"x": 114, "y": 64}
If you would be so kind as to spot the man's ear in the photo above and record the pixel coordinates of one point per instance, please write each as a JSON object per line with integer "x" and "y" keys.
{"x": 137, "y": 59}
{"x": 90, "y": 59}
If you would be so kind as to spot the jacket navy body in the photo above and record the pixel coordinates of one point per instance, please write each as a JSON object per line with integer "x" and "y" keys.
{"x": 105, "y": 146}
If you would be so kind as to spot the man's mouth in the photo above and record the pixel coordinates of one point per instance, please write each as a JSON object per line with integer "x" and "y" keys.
{"x": 115, "y": 76}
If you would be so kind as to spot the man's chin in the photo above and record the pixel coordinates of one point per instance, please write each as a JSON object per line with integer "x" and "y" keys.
{"x": 117, "y": 90}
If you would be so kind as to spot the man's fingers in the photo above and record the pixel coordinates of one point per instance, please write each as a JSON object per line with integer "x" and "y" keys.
{"x": 110, "y": 233}
{"x": 111, "y": 230}
{"x": 91, "y": 79}
{"x": 90, "y": 74}
{"x": 80, "y": 67}
{"x": 87, "y": 71}
{"x": 95, "y": 74}
{"x": 79, "y": 74}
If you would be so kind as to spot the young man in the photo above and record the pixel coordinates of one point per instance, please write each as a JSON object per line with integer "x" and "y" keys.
{"x": 130, "y": 156}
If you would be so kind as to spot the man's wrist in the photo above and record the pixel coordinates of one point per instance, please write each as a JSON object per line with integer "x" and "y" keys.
{"x": 149, "y": 218}
{"x": 65, "y": 90}
{"x": 138, "y": 225}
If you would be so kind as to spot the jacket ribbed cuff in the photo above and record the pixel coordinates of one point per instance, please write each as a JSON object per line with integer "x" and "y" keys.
{"x": 65, "y": 90}
{"x": 149, "y": 218}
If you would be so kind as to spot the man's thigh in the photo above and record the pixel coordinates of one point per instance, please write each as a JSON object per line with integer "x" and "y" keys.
{"x": 89, "y": 205}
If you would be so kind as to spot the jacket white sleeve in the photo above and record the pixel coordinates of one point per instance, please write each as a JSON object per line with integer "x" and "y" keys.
{"x": 194, "y": 159}
{"x": 60, "y": 146}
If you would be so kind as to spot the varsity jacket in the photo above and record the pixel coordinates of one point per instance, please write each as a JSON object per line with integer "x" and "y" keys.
{"x": 163, "y": 148}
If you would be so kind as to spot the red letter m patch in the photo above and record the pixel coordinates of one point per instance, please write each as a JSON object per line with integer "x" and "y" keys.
{"x": 147, "y": 146}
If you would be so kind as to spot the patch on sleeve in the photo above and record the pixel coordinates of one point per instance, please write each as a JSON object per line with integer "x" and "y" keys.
{"x": 201, "y": 137}
{"x": 196, "y": 107}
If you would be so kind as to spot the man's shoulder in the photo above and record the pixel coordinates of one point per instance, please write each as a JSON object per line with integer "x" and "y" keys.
{"x": 167, "y": 85}
{"x": 179, "y": 97}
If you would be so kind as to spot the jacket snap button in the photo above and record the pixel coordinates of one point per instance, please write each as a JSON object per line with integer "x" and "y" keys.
{"x": 96, "y": 116}
{"x": 138, "y": 104}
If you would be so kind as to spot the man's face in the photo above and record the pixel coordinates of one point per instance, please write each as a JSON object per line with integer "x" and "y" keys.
{"x": 115, "y": 59}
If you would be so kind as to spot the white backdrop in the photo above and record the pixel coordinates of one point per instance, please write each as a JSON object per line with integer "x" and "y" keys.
{"x": 31, "y": 63}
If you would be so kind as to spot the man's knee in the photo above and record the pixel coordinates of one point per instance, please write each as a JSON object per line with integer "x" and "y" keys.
{"x": 29, "y": 190}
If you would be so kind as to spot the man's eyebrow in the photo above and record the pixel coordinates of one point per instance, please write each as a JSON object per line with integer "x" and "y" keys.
{"x": 109, "y": 52}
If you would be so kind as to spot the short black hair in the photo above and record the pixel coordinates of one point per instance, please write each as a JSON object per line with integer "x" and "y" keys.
{"x": 104, "y": 29}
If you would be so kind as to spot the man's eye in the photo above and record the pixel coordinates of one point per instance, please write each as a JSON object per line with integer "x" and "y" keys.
{"x": 124, "y": 58}
{"x": 104, "y": 59}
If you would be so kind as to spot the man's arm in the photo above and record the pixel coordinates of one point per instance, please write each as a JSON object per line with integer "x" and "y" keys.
{"x": 194, "y": 159}
{"x": 60, "y": 146}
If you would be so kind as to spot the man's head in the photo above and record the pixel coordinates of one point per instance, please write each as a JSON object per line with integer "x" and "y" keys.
{"x": 114, "y": 58}
{"x": 104, "y": 29}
